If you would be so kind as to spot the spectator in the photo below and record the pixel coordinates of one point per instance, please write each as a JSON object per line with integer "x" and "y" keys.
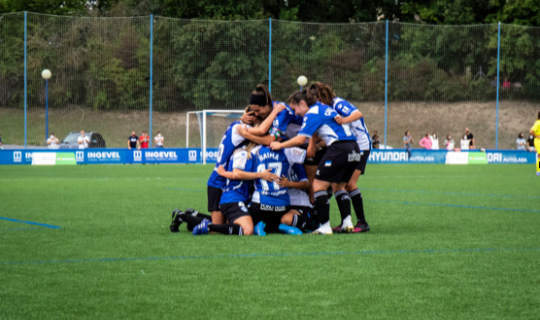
{"x": 465, "y": 143}
{"x": 434, "y": 141}
{"x": 449, "y": 144}
{"x": 159, "y": 140}
{"x": 494, "y": 82}
{"x": 133, "y": 141}
{"x": 506, "y": 84}
{"x": 53, "y": 142}
{"x": 83, "y": 141}
{"x": 1, "y": 147}
{"x": 375, "y": 140}
{"x": 530, "y": 143}
{"x": 521, "y": 142}
{"x": 408, "y": 142}
{"x": 425, "y": 142}
{"x": 470, "y": 137}
{"x": 145, "y": 139}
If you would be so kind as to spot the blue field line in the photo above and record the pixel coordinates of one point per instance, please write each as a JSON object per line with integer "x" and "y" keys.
{"x": 271, "y": 255}
{"x": 452, "y": 205}
{"x": 453, "y": 193}
{"x": 30, "y": 222}
{"x": 18, "y": 229}
{"x": 184, "y": 189}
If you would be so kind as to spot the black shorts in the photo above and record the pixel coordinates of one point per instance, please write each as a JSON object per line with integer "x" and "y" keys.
{"x": 363, "y": 161}
{"x": 214, "y": 196}
{"x": 318, "y": 157}
{"x": 233, "y": 211}
{"x": 339, "y": 162}
{"x": 270, "y": 215}
{"x": 307, "y": 211}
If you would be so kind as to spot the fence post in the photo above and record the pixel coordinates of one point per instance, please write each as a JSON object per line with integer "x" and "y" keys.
{"x": 270, "y": 57}
{"x": 25, "y": 78}
{"x": 151, "y": 71}
{"x": 386, "y": 87}
{"x": 498, "y": 80}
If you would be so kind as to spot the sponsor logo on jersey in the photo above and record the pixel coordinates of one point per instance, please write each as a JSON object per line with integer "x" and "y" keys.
{"x": 327, "y": 164}
{"x": 354, "y": 157}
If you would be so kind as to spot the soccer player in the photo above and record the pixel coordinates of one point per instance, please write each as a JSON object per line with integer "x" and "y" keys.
{"x": 535, "y": 131}
{"x": 340, "y": 160}
{"x": 349, "y": 114}
{"x": 235, "y": 198}
{"x": 297, "y": 183}
{"x": 230, "y": 141}
{"x": 270, "y": 203}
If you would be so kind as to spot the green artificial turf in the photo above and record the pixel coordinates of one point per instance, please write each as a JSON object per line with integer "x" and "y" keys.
{"x": 114, "y": 257}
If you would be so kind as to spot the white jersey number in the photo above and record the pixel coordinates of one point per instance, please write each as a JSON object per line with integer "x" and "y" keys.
{"x": 277, "y": 167}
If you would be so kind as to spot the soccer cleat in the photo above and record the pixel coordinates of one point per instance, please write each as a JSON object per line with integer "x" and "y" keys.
{"x": 201, "y": 228}
{"x": 191, "y": 211}
{"x": 358, "y": 228}
{"x": 538, "y": 173}
{"x": 336, "y": 229}
{"x": 320, "y": 232}
{"x": 347, "y": 229}
{"x": 259, "y": 229}
{"x": 289, "y": 230}
{"x": 176, "y": 221}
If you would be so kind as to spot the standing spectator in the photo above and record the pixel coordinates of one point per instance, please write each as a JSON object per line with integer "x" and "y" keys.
{"x": 408, "y": 142}
{"x": 506, "y": 84}
{"x": 494, "y": 82}
{"x": 1, "y": 147}
{"x": 434, "y": 141}
{"x": 449, "y": 144}
{"x": 53, "y": 141}
{"x": 375, "y": 140}
{"x": 470, "y": 137}
{"x": 535, "y": 131}
{"x": 465, "y": 143}
{"x": 530, "y": 143}
{"x": 159, "y": 140}
{"x": 83, "y": 140}
{"x": 521, "y": 142}
{"x": 425, "y": 142}
{"x": 144, "y": 140}
{"x": 133, "y": 141}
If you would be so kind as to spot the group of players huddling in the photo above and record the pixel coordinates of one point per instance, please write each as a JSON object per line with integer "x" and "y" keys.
{"x": 278, "y": 166}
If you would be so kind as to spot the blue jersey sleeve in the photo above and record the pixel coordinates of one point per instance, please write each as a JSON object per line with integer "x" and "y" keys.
{"x": 300, "y": 172}
{"x": 344, "y": 108}
{"x": 281, "y": 122}
{"x": 311, "y": 123}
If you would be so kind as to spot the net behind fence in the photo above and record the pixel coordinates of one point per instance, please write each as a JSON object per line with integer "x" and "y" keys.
{"x": 106, "y": 72}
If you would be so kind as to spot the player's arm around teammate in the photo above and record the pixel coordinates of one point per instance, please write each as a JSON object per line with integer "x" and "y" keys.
{"x": 339, "y": 162}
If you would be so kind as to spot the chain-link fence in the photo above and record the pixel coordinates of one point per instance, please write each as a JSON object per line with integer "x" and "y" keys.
{"x": 117, "y": 75}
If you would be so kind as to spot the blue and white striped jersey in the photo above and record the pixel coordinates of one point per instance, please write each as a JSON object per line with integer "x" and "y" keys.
{"x": 345, "y": 109}
{"x": 238, "y": 190}
{"x": 286, "y": 124}
{"x": 230, "y": 141}
{"x": 320, "y": 119}
{"x": 298, "y": 197}
{"x": 270, "y": 193}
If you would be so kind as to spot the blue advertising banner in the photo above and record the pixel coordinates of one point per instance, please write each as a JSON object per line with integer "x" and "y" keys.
{"x": 194, "y": 155}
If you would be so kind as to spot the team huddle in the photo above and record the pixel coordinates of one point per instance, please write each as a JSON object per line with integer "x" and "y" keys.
{"x": 279, "y": 165}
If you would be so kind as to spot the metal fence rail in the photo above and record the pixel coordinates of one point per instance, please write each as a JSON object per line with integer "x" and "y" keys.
{"x": 117, "y": 75}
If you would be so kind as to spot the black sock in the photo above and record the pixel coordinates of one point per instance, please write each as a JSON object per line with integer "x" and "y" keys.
{"x": 303, "y": 223}
{"x": 191, "y": 221}
{"x": 229, "y": 228}
{"x": 322, "y": 205}
{"x": 204, "y": 216}
{"x": 330, "y": 192}
{"x": 344, "y": 203}
{"x": 358, "y": 205}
